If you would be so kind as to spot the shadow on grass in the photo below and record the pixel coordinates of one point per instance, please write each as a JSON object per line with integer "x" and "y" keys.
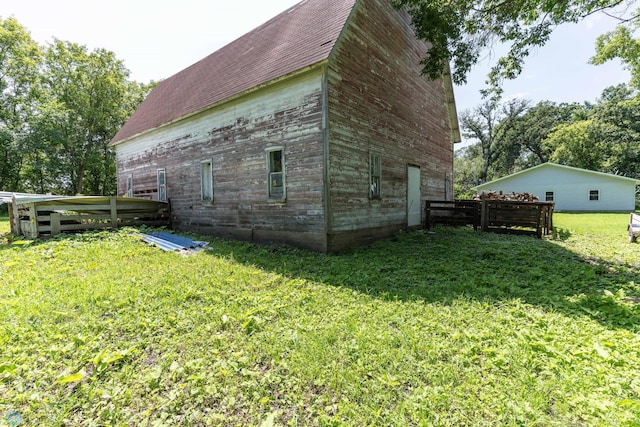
{"x": 454, "y": 263}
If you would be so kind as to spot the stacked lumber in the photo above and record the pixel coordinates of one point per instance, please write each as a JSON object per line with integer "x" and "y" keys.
{"x": 510, "y": 197}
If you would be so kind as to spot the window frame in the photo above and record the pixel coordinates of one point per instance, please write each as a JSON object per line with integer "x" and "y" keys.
{"x": 129, "y": 185}
{"x": 270, "y": 165}
{"x": 594, "y": 195}
{"x": 375, "y": 175}
{"x": 206, "y": 177}
{"x": 162, "y": 188}
{"x": 550, "y": 196}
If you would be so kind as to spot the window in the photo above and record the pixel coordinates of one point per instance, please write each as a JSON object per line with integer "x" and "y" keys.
{"x": 276, "y": 173}
{"x": 447, "y": 187}
{"x": 594, "y": 195}
{"x": 162, "y": 185}
{"x": 206, "y": 181}
{"x": 375, "y": 172}
{"x": 548, "y": 196}
{"x": 129, "y": 185}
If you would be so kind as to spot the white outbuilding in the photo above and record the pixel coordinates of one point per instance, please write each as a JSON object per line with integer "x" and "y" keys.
{"x": 572, "y": 189}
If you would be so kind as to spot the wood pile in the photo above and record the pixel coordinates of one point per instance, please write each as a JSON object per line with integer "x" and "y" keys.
{"x": 511, "y": 197}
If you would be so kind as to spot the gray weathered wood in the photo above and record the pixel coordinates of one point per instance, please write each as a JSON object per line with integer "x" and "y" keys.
{"x": 369, "y": 96}
{"x": 55, "y": 223}
{"x": 114, "y": 213}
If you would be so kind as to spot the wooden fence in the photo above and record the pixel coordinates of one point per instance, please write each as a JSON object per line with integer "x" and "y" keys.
{"x": 493, "y": 215}
{"x": 37, "y": 216}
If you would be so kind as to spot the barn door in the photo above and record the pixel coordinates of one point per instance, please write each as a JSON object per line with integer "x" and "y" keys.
{"x": 414, "y": 203}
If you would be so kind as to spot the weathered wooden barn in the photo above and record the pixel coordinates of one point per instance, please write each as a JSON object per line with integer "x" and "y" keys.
{"x": 572, "y": 189}
{"x": 316, "y": 129}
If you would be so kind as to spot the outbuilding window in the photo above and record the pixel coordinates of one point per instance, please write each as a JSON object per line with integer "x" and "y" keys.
{"x": 375, "y": 175}
{"x": 594, "y": 195}
{"x": 548, "y": 196}
{"x": 276, "y": 173}
{"x": 206, "y": 181}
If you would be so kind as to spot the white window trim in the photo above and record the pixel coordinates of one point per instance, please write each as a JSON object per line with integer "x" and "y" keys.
{"x": 276, "y": 198}
{"x": 206, "y": 198}
{"x": 162, "y": 188}
{"x": 546, "y": 196}
{"x": 371, "y": 176}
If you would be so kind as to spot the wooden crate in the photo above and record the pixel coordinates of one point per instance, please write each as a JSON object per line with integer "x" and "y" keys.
{"x": 492, "y": 215}
{"x": 455, "y": 213}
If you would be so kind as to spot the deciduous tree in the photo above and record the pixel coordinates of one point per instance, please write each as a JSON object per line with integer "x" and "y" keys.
{"x": 575, "y": 145}
{"x": 488, "y": 124}
{"x": 19, "y": 62}
{"x": 622, "y": 44}
{"x": 459, "y": 31}
{"x": 89, "y": 96}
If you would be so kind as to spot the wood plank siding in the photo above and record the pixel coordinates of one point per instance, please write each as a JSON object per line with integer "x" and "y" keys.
{"x": 328, "y": 82}
{"x": 378, "y": 101}
{"x": 235, "y": 137}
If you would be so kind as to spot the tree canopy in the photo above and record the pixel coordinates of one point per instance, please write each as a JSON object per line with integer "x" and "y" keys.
{"x": 513, "y": 136}
{"x": 623, "y": 45}
{"x": 458, "y": 31}
{"x": 60, "y": 105}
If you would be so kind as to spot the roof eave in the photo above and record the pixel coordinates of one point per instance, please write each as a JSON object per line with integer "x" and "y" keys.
{"x": 231, "y": 98}
{"x": 608, "y": 175}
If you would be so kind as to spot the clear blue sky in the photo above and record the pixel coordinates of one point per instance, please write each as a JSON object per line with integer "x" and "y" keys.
{"x": 156, "y": 39}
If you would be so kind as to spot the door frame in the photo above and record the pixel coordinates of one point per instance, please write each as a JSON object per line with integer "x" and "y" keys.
{"x": 411, "y": 183}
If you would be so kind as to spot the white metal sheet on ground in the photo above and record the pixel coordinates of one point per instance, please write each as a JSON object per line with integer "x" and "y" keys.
{"x": 173, "y": 242}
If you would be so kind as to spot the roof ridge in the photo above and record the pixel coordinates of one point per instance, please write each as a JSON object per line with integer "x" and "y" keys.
{"x": 298, "y": 37}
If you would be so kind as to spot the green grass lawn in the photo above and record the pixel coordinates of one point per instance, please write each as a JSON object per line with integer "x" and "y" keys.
{"x": 448, "y": 328}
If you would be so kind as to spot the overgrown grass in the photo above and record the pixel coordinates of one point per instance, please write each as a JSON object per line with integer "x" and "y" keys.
{"x": 450, "y": 328}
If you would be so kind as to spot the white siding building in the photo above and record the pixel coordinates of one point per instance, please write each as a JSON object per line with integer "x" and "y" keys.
{"x": 572, "y": 189}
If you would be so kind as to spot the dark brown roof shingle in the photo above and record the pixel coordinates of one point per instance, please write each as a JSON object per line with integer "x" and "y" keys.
{"x": 299, "y": 37}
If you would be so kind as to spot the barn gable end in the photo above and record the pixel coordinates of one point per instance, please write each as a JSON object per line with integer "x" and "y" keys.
{"x": 379, "y": 104}
{"x": 281, "y": 151}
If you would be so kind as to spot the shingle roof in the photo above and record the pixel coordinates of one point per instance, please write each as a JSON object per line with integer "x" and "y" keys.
{"x": 299, "y": 37}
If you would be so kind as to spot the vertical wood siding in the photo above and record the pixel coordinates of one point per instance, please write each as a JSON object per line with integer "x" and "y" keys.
{"x": 378, "y": 101}
{"x": 234, "y": 137}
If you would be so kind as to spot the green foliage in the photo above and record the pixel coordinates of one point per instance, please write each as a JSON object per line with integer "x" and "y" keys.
{"x": 574, "y": 144}
{"x": 19, "y": 59}
{"x": 489, "y": 124}
{"x": 60, "y": 105}
{"x": 100, "y": 329}
{"x": 618, "y": 115}
{"x": 459, "y": 31}
{"x": 621, "y": 44}
{"x": 529, "y": 130}
{"x": 604, "y": 137}
{"x": 467, "y": 170}
{"x": 87, "y": 102}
